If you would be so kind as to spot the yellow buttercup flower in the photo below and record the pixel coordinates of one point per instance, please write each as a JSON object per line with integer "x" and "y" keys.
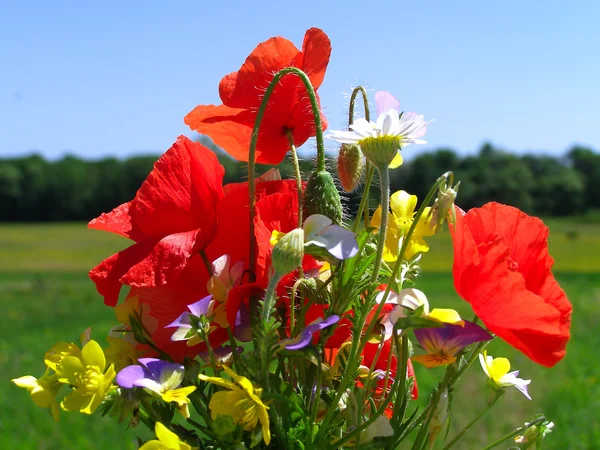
{"x": 43, "y": 391}
{"x": 89, "y": 377}
{"x": 242, "y": 402}
{"x": 60, "y": 351}
{"x": 402, "y": 206}
{"x": 167, "y": 440}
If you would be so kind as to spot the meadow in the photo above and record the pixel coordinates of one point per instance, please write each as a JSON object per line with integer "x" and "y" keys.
{"x": 46, "y": 297}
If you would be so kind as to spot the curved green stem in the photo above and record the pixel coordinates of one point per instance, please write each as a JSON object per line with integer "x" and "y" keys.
{"x": 385, "y": 208}
{"x": 514, "y": 433}
{"x": 353, "y": 100}
{"x": 254, "y": 139}
{"x": 369, "y": 168}
{"x": 474, "y": 421}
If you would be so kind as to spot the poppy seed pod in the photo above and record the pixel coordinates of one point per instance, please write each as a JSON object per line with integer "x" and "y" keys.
{"x": 322, "y": 197}
{"x": 350, "y": 166}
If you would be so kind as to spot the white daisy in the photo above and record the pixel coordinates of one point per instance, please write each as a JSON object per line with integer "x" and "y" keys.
{"x": 381, "y": 141}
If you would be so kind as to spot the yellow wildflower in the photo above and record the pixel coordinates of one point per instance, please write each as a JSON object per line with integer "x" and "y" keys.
{"x": 400, "y": 220}
{"x": 167, "y": 440}
{"x": 89, "y": 377}
{"x": 43, "y": 391}
{"x": 60, "y": 351}
{"x": 242, "y": 402}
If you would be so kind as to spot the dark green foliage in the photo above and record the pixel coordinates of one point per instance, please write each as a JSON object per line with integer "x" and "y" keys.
{"x": 33, "y": 189}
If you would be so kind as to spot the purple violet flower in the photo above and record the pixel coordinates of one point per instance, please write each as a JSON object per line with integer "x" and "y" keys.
{"x": 305, "y": 336}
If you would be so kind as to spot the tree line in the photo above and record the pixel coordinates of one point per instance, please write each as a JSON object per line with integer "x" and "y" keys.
{"x": 33, "y": 189}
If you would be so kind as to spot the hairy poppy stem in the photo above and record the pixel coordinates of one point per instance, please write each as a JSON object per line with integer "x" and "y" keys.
{"x": 370, "y": 170}
{"x": 385, "y": 208}
{"x": 297, "y": 174}
{"x": 353, "y": 101}
{"x": 254, "y": 139}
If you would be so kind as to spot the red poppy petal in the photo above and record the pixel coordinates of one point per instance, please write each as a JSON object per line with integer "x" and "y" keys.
{"x": 503, "y": 269}
{"x": 119, "y": 221}
{"x": 181, "y": 193}
{"x": 108, "y": 273}
{"x": 244, "y": 88}
{"x": 274, "y": 212}
{"x": 165, "y": 261}
{"x": 316, "y": 51}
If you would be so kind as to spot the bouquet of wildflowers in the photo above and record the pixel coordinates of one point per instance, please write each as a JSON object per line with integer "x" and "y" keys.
{"x": 259, "y": 314}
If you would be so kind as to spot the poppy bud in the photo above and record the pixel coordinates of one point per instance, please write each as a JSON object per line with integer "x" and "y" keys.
{"x": 322, "y": 197}
{"x": 288, "y": 252}
{"x": 350, "y": 166}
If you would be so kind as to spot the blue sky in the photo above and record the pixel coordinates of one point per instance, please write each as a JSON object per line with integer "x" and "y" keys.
{"x": 117, "y": 77}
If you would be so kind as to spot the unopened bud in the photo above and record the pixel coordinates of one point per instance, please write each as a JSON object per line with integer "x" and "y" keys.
{"x": 533, "y": 435}
{"x": 350, "y": 166}
{"x": 322, "y": 197}
{"x": 443, "y": 204}
{"x": 288, "y": 252}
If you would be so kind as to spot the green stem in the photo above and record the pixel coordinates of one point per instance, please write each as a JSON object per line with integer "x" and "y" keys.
{"x": 254, "y": 139}
{"x": 385, "y": 208}
{"x": 267, "y": 306}
{"x": 298, "y": 178}
{"x": 239, "y": 365}
{"x": 364, "y": 201}
{"x": 357, "y": 349}
{"x": 369, "y": 169}
{"x": 356, "y": 432}
{"x": 400, "y": 407}
{"x": 408, "y": 236}
{"x": 353, "y": 101}
{"x": 211, "y": 355}
{"x": 472, "y": 357}
{"x": 419, "y": 441}
{"x": 514, "y": 433}
{"x": 474, "y": 421}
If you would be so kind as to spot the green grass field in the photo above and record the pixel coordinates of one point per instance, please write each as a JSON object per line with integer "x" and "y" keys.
{"x": 46, "y": 297}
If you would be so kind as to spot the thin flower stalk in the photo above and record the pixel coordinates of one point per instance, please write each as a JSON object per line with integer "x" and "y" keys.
{"x": 252, "y": 151}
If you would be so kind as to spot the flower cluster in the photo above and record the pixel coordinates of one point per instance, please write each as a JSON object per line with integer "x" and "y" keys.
{"x": 252, "y": 315}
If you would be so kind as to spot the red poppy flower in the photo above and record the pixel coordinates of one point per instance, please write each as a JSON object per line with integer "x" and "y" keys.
{"x": 182, "y": 193}
{"x": 230, "y": 125}
{"x": 173, "y": 215}
{"x": 503, "y": 269}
